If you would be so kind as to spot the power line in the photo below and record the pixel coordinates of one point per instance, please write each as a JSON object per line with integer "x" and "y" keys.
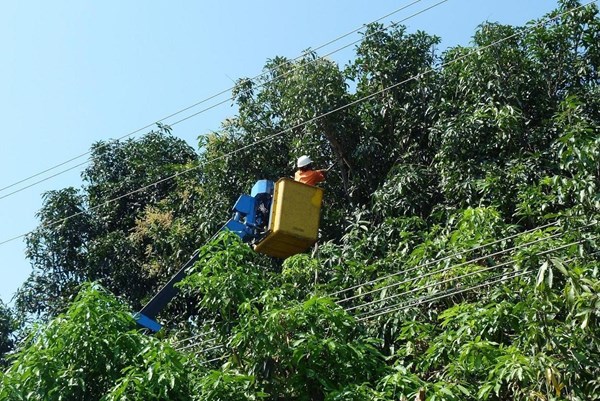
{"x": 469, "y": 274}
{"x": 317, "y": 59}
{"x": 444, "y": 270}
{"x": 350, "y": 309}
{"x": 311, "y": 120}
{"x": 215, "y": 359}
{"x": 195, "y": 105}
{"x": 432, "y": 297}
{"x": 438, "y": 261}
{"x": 210, "y": 161}
{"x": 541, "y": 253}
{"x": 453, "y": 266}
{"x": 204, "y": 350}
{"x": 200, "y": 335}
{"x": 194, "y": 344}
{"x": 216, "y": 104}
{"x": 423, "y": 299}
{"x": 44, "y": 179}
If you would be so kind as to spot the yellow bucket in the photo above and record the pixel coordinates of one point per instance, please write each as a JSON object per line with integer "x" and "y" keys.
{"x": 294, "y": 220}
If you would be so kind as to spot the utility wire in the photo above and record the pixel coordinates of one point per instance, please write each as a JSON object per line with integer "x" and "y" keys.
{"x": 498, "y": 253}
{"x": 195, "y": 336}
{"x": 44, "y": 179}
{"x": 429, "y": 298}
{"x": 395, "y": 284}
{"x": 524, "y": 245}
{"x": 419, "y": 301}
{"x": 194, "y": 344}
{"x": 349, "y": 309}
{"x": 218, "y": 346}
{"x": 311, "y": 120}
{"x": 436, "y": 261}
{"x": 296, "y": 67}
{"x": 316, "y": 59}
{"x": 199, "y": 103}
{"x": 436, "y": 283}
{"x": 424, "y": 299}
{"x": 215, "y": 359}
{"x": 433, "y": 297}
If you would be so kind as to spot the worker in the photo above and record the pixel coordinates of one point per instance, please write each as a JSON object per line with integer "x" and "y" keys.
{"x": 306, "y": 174}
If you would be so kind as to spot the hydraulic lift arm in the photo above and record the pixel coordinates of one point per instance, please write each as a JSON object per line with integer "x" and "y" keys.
{"x": 147, "y": 316}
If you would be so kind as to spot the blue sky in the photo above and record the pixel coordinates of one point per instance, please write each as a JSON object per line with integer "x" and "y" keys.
{"x": 76, "y": 72}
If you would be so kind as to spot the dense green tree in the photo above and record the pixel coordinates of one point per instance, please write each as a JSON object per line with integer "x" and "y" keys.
{"x": 393, "y": 74}
{"x": 101, "y": 232}
{"x": 93, "y": 352}
{"x": 8, "y": 326}
{"x": 458, "y": 257}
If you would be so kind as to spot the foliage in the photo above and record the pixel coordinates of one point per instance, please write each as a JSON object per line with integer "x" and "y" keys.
{"x": 304, "y": 351}
{"x": 82, "y": 354}
{"x": 458, "y": 252}
{"x": 100, "y": 233}
{"x": 8, "y": 325}
{"x": 224, "y": 277}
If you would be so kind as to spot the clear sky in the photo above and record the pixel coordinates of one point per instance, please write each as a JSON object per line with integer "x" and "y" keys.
{"x": 76, "y": 72}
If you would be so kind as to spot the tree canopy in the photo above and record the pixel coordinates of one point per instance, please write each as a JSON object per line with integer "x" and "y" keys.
{"x": 458, "y": 251}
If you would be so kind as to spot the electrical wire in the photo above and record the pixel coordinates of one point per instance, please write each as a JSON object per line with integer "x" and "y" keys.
{"x": 436, "y": 261}
{"x": 472, "y": 273}
{"x": 195, "y": 336}
{"x": 218, "y": 346}
{"x": 437, "y": 283}
{"x": 498, "y": 253}
{"x": 434, "y": 297}
{"x": 215, "y": 359}
{"x": 436, "y": 272}
{"x": 429, "y": 298}
{"x": 199, "y": 103}
{"x": 423, "y": 299}
{"x": 44, "y": 179}
{"x": 306, "y": 122}
{"x": 439, "y": 271}
{"x": 317, "y": 59}
{"x": 195, "y": 344}
{"x": 212, "y": 106}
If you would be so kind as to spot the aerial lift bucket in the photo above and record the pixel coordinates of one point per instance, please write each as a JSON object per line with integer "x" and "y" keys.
{"x": 294, "y": 220}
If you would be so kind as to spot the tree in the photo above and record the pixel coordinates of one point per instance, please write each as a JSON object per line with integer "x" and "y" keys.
{"x": 459, "y": 250}
{"x": 98, "y": 232}
{"x": 393, "y": 73}
{"x": 8, "y": 326}
{"x": 93, "y": 352}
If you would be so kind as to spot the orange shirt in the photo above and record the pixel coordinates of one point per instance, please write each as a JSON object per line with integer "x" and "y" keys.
{"x": 310, "y": 177}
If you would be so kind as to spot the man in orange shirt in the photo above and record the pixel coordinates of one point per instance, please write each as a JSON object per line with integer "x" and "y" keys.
{"x": 306, "y": 174}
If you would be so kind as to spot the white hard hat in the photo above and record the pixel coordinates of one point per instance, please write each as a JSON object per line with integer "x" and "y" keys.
{"x": 304, "y": 161}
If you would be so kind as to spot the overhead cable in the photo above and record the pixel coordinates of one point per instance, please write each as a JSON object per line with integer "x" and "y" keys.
{"x": 306, "y": 122}
{"x": 193, "y": 106}
{"x": 479, "y": 258}
{"x": 459, "y": 289}
{"x": 454, "y": 255}
{"x": 451, "y": 279}
{"x": 434, "y": 297}
{"x": 316, "y": 59}
{"x": 195, "y": 336}
{"x": 349, "y": 309}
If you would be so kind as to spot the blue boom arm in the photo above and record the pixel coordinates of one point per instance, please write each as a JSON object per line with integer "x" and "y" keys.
{"x": 249, "y": 221}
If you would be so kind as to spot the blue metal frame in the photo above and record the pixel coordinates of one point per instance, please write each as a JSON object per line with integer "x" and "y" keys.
{"x": 251, "y": 212}
{"x": 250, "y": 221}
